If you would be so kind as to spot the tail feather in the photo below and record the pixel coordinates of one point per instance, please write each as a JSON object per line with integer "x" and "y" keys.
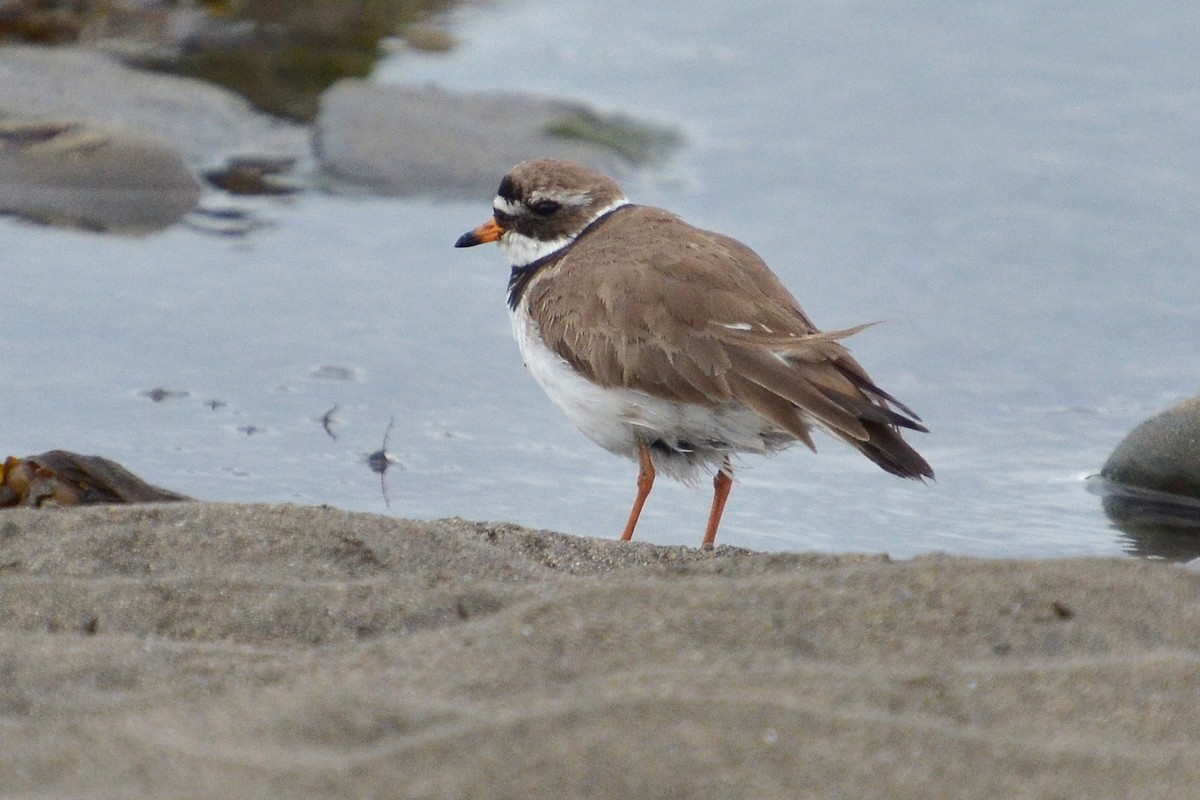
{"x": 797, "y": 382}
{"x": 887, "y": 448}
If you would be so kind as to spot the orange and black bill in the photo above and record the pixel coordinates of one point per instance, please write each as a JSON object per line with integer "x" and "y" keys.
{"x": 489, "y": 231}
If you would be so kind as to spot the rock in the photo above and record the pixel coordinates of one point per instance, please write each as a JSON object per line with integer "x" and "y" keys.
{"x": 61, "y": 478}
{"x": 207, "y": 123}
{"x": 392, "y": 140}
{"x": 99, "y": 178}
{"x": 416, "y": 140}
{"x": 1150, "y": 485}
{"x": 1163, "y": 453}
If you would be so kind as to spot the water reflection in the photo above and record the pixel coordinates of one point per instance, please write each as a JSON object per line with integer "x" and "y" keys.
{"x": 280, "y": 54}
{"x": 283, "y": 55}
{"x": 1152, "y": 523}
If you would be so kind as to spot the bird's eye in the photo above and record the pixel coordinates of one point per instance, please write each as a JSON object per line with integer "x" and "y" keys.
{"x": 544, "y": 208}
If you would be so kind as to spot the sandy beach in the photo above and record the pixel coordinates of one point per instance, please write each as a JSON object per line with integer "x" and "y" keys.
{"x": 209, "y": 650}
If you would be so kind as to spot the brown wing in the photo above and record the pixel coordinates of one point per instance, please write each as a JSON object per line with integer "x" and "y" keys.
{"x": 688, "y": 315}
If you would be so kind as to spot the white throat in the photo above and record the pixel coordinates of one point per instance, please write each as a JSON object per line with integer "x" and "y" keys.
{"x": 521, "y": 250}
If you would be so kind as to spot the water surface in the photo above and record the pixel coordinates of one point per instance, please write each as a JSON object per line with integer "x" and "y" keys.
{"x": 1013, "y": 193}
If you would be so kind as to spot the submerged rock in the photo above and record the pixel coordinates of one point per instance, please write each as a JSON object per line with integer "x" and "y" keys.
{"x": 416, "y": 140}
{"x": 207, "y": 123}
{"x": 83, "y": 175}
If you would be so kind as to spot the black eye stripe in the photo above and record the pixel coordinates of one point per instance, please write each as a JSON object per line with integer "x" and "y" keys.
{"x": 502, "y": 217}
{"x": 544, "y": 208}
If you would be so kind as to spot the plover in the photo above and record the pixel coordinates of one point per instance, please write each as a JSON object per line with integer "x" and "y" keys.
{"x": 670, "y": 345}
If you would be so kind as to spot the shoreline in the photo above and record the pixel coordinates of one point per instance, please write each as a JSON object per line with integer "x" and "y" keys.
{"x": 214, "y": 650}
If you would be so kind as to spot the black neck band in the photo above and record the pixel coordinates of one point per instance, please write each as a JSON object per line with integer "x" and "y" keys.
{"x": 521, "y": 276}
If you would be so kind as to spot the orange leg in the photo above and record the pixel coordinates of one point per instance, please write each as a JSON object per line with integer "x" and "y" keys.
{"x": 722, "y": 483}
{"x": 645, "y": 483}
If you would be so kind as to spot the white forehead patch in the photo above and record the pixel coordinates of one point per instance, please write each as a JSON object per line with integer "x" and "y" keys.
{"x": 500, "y": 204}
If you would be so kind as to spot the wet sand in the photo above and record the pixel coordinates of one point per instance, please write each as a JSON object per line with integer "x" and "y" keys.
{"x": 209, "y": 650}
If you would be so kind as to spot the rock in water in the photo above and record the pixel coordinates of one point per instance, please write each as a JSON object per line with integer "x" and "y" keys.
{"x": 1163, "y": 453}
{"x": 110, "y": 179}
{"x": 425, "y": 141}
{"x": 1151, "y": 485}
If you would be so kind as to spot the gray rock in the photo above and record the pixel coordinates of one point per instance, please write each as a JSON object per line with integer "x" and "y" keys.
{"x": 393, "y": 140}
{"x": 418, "y": 140}
{"x": 207, "y": 123}
{"x": 84, "y": 175}
{"x": 1163, "y": 453}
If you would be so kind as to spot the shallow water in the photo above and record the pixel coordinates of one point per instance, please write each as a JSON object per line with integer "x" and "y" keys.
{"x": 1013, "y": 194}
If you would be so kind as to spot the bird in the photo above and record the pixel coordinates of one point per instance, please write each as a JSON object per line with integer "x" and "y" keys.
{"x": 670, "y": 345}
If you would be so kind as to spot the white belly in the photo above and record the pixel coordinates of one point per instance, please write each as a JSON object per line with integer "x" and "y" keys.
{"x": 692, "y": 436}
